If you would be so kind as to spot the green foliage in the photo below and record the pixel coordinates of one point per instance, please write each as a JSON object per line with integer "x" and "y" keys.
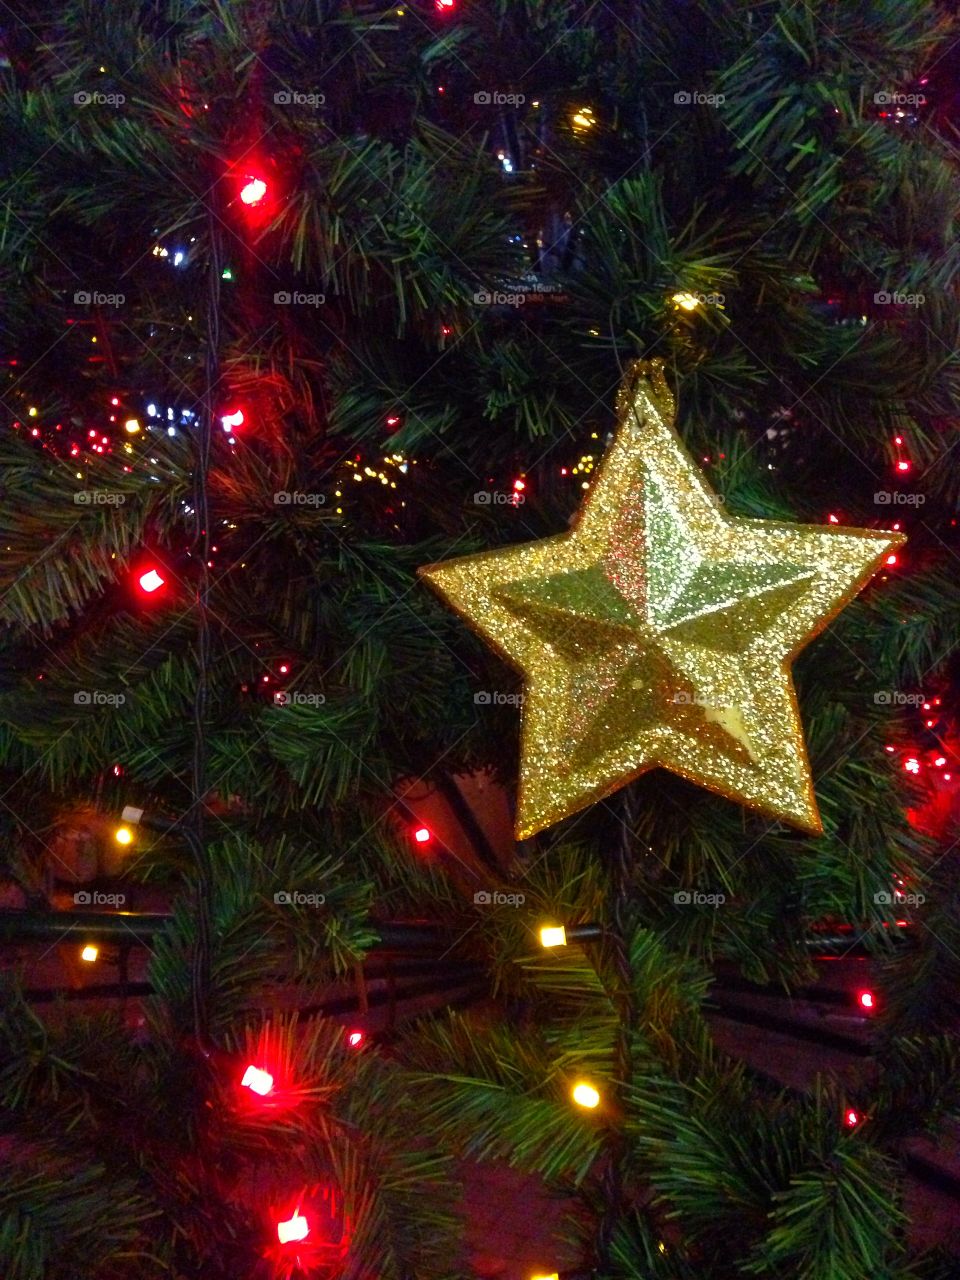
{"x": 134, "y": 1152}
{"x": 125, "y": 1150}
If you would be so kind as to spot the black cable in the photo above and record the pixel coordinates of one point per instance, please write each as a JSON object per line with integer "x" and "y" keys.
{"x": 618, "y": 935}
{"x": 193, "y": 826}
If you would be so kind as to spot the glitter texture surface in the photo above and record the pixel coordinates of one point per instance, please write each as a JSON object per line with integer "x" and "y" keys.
{"x": 659, "y": 631}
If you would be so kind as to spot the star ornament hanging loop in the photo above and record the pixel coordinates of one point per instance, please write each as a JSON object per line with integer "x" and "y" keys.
{"x": 659, "y": 631}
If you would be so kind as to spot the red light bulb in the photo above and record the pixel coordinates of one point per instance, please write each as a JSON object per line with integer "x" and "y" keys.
{"x": 295, "y": 1228}
{"x": 355, "y": 1039}
{"x": 151, "y": 581}
{"x": 851, "y": 1118}
{"x": 891, "y": 560}
{"x": 866, "y": 1000}
{"x": 422, "y": 835}
{"x": 231, "y": 420}
{"x": 257, "y": 1081}
{"x": 253, "y": 191}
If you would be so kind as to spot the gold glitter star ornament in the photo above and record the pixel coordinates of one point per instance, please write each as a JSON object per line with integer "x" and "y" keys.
{"x": 659, "y": 631}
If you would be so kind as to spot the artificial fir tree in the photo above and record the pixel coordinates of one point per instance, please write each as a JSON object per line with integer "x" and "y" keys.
{"x": 302, "y": 296}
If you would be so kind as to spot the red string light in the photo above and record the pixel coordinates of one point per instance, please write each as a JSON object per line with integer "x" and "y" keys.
{"x": 315, "y": 1236}
{"x": 253, "y": 190}
{"x": 151, "y": 581}
{"x": 866, "y": 1000}
{"x": 295, "y": 1228}
{"x": 257, "y": 1081}
{"x": 422, "y": 835}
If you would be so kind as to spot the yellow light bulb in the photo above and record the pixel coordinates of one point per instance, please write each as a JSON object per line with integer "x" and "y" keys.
{"x": 123, "y": 835}
{"x": 89, "y": 953}
{"x": 32, "y": 411}
{"x": 131, "y": 425}
{"x": 585, "y": 1095}
{"x": 553, "y": 936}
{"x": 689, "y": 301}
{"x": 554, "y": 1275}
